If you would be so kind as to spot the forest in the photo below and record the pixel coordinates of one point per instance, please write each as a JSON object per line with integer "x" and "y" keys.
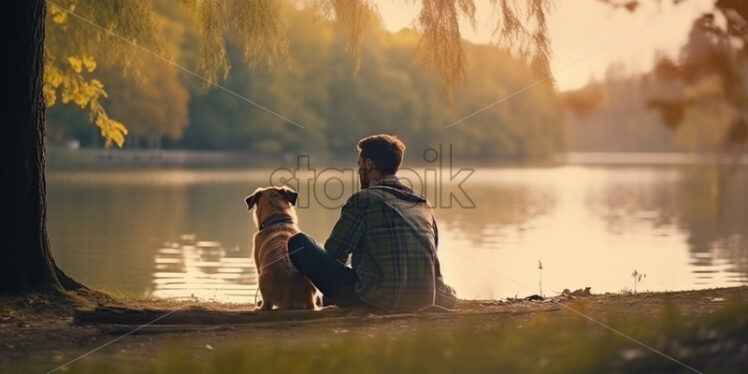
{"x": 319, "y": 87}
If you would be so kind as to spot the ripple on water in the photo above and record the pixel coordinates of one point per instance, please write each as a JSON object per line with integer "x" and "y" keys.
{"x": 187, "y": 268}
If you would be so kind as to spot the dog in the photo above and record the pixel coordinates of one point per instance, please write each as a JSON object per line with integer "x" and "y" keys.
{"x": 280, "y": 283}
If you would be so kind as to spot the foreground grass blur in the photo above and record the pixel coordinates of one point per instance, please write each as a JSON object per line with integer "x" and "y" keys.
{"x": 560, "y": 343}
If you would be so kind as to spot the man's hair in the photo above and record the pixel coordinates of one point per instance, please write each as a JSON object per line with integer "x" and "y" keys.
{"x": 387, "y": 152}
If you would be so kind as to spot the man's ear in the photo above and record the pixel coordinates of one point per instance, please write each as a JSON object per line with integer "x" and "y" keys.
{"x": 251, "y": 200}
{"x": 290, "y": 195}
{"x": 370, "y": 165}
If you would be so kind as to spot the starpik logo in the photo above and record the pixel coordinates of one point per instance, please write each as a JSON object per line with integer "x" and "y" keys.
{"x": 439, "y": 181}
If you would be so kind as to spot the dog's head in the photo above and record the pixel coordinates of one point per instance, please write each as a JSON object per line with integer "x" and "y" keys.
{"x": 272, "y": 200}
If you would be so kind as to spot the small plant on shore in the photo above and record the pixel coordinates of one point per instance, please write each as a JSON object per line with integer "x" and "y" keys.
{"x": 540, "y": 278}
{"x": 637, "y": 278}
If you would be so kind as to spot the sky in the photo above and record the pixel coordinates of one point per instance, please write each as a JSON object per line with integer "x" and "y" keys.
{"x": 586, "y": 36}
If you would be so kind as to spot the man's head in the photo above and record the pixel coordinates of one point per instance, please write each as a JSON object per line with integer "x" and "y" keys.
{"x": 378, "y": 155}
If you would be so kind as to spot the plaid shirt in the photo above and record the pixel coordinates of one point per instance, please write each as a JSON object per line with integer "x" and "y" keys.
{"x": 391, "y": 235}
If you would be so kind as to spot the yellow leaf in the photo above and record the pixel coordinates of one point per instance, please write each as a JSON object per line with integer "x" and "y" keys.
{"x": 111, "y": 130}
{"x": 89, "y": 63}
{"x": 50, "y": 96}
{"x": 58, "y": 16}
{"x": 97, "y": 83}
{"x": 75, "y": 63}
{"x": 52, "y": 76}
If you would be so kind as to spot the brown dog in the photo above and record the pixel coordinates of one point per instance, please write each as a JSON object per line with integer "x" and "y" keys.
{"x": 280, "y": 283}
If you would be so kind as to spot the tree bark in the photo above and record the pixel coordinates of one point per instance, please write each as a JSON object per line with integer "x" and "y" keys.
{"x": 25, "y": 259}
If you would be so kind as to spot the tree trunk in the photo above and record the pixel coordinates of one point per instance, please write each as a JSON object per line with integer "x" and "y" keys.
{"x": 25, "y": 259}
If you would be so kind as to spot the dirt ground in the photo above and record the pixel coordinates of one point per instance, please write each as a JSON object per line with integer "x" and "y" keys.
{"x": 38, "y": 335}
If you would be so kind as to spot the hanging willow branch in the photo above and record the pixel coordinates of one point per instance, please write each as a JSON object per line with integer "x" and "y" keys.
{"x": 522, "y": 27}
{"x": 260, "y": 26}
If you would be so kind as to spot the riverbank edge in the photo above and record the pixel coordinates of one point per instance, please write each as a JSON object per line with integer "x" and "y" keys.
{"x": 38, "y": 331}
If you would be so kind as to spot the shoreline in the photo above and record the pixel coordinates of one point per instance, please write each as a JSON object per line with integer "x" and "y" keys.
{"x": 40, "y": 335}
{"x": 60, "y": 158}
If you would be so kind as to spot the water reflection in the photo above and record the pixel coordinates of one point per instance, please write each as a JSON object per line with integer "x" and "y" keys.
{"x": 713, "y": 208}
{"x": 105, "y": 235}
{"x": 502, "y": 208}
{"x": 203, "y": 270}
{"x": 709, "y": 210}
{"x": 685, "y": 227}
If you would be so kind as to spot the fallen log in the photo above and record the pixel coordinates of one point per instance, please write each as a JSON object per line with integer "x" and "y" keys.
{"x": 119, "y": 315}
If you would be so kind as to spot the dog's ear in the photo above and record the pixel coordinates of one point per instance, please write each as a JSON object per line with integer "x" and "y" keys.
{"x": 290, "y": 195}
{"x": 251, "y": 200}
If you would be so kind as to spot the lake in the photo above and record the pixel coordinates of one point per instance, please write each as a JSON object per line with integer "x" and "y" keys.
{"x": 187, "y": 232}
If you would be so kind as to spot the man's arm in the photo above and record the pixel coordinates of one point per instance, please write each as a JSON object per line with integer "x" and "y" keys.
{"x": 348, "y": 230}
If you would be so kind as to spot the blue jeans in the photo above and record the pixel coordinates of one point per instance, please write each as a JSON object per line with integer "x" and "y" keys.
{"x": 335, "y": 280}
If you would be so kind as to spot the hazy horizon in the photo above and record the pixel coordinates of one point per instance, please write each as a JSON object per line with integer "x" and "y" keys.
{"x": 580, "y": 28}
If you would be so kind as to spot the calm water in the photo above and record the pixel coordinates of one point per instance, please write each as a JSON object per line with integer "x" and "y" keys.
{"x": 188, "y": 232}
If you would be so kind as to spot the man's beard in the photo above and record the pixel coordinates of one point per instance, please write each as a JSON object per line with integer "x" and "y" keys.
{"x": 363, "y": 178}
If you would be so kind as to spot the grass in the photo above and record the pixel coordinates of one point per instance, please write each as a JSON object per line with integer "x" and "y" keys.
{"x": 714, "y": 343}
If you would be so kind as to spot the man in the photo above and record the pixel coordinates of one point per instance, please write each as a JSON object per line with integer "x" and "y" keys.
{"x": 390, "y": 234}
